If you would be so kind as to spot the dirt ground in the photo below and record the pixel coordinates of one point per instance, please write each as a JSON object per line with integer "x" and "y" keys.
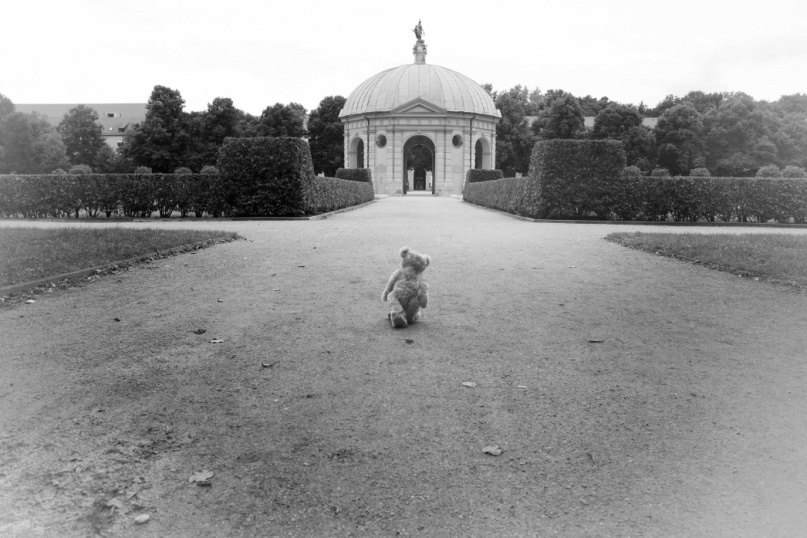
{"x": 317, "y": 418}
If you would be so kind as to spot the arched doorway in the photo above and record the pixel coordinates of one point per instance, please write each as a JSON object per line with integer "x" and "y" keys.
{"x": 419, "y": 157}
{"x": 356, "y": 153}
{"x": 482, "y": 155}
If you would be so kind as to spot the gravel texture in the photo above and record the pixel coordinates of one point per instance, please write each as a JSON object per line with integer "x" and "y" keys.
{"x": 629, "y": 394}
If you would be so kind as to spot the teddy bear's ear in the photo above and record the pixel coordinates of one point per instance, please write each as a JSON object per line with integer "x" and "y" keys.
{"x": 428, "y": 260}
{"x": 404, "y": 252}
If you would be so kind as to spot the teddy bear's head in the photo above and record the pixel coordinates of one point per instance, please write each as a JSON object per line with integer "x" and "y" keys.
{"x": 417, "y": 261}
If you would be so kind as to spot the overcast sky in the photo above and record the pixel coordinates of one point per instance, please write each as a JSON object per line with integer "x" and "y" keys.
{"x": 262, "y": 52}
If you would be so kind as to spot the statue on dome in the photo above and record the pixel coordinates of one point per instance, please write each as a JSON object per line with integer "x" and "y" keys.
{"x": 419, "y": 31}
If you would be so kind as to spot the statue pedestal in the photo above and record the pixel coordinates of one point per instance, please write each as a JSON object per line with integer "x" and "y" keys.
{"x": 419, "y": 50}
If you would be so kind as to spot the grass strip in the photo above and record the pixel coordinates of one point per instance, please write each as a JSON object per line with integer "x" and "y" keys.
{"x": 781, "y": 257}
{"x": 32, "y": 253}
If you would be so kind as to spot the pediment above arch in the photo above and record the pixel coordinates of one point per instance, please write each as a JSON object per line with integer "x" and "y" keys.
{"x": 418, "y": 106}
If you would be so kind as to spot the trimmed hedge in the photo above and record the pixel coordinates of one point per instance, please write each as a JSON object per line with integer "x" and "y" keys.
{"x": 476, "y": 176}
{"x": 573, "y": 179}
{"x": 354, "y": 174}
{"x": 274, "y": 177}
{"x": 132, "y": 195}
{"x": 679, "y": 198}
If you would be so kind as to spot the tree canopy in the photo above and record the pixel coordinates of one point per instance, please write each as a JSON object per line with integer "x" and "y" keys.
{"x": 283, "y": 120}
{"x": 82, "y": 135}
{"x": 326, "y": 136}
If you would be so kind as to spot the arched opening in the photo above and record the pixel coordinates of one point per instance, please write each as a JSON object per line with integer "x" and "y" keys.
{"x": 419, "y": 165}
{"x": 482, "y": 155}
{"x": 356, "y": 153}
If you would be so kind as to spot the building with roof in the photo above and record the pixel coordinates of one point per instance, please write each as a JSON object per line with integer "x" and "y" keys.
{"x": 116, "y": 119}
{"x": 419, "y": 108}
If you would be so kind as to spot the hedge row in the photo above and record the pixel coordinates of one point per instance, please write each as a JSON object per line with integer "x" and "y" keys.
{"x": 355, "y": 174}
{"x": 258, "y": 176}
{"x": 641, "y": 198}
{"x": 274, "y": 177}
{"x": 131, "y": 195}
{"x": 475, "y": 176}
{"x": 740, "y": 199}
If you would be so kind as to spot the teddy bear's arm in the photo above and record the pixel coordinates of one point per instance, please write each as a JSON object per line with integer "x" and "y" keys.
{"x": 391, "y": 283}
{"x": 423, "y": 295}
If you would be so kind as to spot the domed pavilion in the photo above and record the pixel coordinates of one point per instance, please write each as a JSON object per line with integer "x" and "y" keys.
{"x": 419, "y": 127}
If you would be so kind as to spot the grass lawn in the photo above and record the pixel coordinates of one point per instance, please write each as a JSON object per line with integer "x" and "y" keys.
{"x": 32, "y": 253}
{"x": 776, "y": 256}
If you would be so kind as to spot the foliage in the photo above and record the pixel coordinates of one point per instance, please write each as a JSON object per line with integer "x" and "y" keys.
{"x": 576, "y": 178}
{"x": 80, "y": 169}
{"x": 81, "y": 134}
{"x": 209, "y": 169}
{"x": 514, "y": 140}
{"x": 266, "y": 176}
{"x": 624, "y": 123}
{"x": 208, "y": 130}
{"x": 562, "y": 120}
{"x": 477, "y": 175}
{"x": 283, "y": 121}
{"x": 660, "y": 172}
{"x": 699, "y": 172}
{"x": 329, "y": 194}
{"x": 567, "y": 179}
{"x": 30, "y": 144}
{"x": 6, "y": 106}
{"x": 58, "y": 171}
{"x": 163, "y": 139}
{"x": 794, "y": 172}
{"x": 678, "y": 137}
{"x": 183, "y": 170}
{"x": 355, "y": 174}
{"x": 143, "y": 170}
{"x": 770, "y": 170}
{"x": 326, "y": 136}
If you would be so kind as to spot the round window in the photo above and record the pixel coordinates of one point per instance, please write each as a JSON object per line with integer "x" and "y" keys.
{"x": 457, "y": 141}
{"x": 381, "y": 140}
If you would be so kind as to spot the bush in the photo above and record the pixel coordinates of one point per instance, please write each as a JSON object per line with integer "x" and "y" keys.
{"x": 183, "y": 170}
{"x": 274, "y": 177}
{"x": 791, "y": 172}
{"x": 573, "y": 178}
{"x": 355, "y": 174}
{"x": 142, "y": 170}
{"x": 80, "y": 169}
{"x": 699, "y": 172}
{"x": 209, "y": 170}
{"x": 58, "y": 171}
{"x": 660, "y": 172}
{"x": 475, "y": 176}
{"x": 769, "y": 170}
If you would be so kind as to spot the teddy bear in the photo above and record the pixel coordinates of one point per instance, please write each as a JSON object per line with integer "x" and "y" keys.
{"x": 405, "y": 289}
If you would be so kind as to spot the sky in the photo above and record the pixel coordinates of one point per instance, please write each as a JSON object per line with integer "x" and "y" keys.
{"x": 259, "y": 53}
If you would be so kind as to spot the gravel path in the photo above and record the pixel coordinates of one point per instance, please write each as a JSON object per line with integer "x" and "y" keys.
{"x": 686, "y": 420}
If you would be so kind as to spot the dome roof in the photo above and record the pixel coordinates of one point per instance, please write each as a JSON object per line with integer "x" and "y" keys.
{"x": 440, "y": 86}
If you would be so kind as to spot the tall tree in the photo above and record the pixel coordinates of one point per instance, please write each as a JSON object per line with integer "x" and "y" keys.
{"x": 514, "y": 141}
{"x": 162, "y": 140}
{"x": 739, "y": 125}
{"x": 678, "y": 137}
{"x": 6, "y": 106}
{"x": 81, "y": 134}
{"x": 208, "y": 130}
{"x": 624, "y": 123}
{"x": 563, "y": 119}
{"x": 30, "y": 144}
{"x": 283, "y": 120}
{"x": 326, "y": 136}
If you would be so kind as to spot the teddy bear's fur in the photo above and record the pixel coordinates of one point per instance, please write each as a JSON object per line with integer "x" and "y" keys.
{"x": 407, "y": 293}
